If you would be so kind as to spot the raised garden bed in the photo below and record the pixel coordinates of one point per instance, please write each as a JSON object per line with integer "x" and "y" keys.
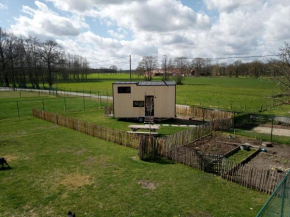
{"x": 271, "y": 160}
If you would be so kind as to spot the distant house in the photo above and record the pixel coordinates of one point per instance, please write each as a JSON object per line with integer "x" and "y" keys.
{"x": 142, "y": 99}
{"x": 171, "y": 72}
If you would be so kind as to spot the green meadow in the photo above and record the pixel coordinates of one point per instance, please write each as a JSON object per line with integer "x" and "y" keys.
{"x": 238, "y": 94}
{"x": 56, "y": 169}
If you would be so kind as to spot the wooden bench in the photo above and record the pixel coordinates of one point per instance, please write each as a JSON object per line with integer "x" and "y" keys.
{"x": 142, "y": 133}
{"x": 144, "y": 127}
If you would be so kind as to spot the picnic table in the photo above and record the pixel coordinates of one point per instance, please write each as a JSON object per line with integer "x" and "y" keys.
{"x": 144, "y": 127}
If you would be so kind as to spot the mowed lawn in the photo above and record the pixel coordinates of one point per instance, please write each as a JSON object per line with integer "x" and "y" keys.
{"x": 240, "y": 94}
{"x": 56, "y": 169}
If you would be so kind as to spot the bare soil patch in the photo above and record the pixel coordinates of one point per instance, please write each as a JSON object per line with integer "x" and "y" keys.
{"x": 219, "y": 144}
{"x": 75, "y": 180}
{"x": 81, "y": 151}
{"x": 276, "y": 158}
{"x": 149, "y": 185}
{"x": 89, "y": 161}
{"x": 11, "y": 158}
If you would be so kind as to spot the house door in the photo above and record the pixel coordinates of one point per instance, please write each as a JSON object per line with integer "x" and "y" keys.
{"x": 149, "y": 105}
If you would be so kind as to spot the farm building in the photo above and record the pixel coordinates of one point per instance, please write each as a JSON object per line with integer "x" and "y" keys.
{"x": 144, "y": 99}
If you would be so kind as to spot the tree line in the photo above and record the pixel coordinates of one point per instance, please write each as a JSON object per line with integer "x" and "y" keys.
{"x": 182, "y": 66}
{"x": 25, "y": 61}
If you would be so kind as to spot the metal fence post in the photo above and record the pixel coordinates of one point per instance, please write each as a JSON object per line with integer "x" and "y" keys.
{"x": 84, "y": 103}
{"x": 107, "y": 98}
{"x": 272, "y": 129}
{"x": 283, "y": 198}
{"x": 20, "y": 93}
{"x": 17, "y": 109}
{"x": 43, "y": 105}
{"x": 64, "y": 104}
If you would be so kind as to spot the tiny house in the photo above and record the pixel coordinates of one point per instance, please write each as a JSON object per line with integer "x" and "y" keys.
{"x": 144, "y": 99}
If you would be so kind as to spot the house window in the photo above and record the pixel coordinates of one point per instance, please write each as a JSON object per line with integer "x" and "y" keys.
{"x": 138, "y": 103}
{"x": 124, "y": 89}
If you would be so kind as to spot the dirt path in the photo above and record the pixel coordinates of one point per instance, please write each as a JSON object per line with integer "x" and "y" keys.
{"x": 267, "y": 130}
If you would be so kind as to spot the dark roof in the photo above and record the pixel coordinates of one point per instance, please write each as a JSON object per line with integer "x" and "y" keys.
{"x": 148, "y": 83}
{"x": 125, "y": 82}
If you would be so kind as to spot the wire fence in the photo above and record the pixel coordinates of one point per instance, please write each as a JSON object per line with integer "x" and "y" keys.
{"x": 278, "y": 205}
{"x": 23, "y": 107}
{"x": 229, "y": 106}
{"x": 68, "y": 92}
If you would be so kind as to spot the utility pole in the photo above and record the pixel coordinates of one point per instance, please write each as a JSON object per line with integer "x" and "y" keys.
{"x": 130, "y": 69}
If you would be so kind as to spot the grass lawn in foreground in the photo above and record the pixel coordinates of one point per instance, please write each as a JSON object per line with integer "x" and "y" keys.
{"x": 56, "y": 169}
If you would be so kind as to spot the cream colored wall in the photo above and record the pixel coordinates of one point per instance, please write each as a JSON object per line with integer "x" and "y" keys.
{"x": 164, "y": 101}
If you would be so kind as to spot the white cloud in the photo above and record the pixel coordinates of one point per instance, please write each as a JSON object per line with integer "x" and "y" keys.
{"x": 155, "y": 15}
{"x": 161, "y": 27}
{"x": 86, "y": 6}
{"x": 119, "y": 34}
{"x": 3, "y": 6}
{"x": 230, "y": 5}
{"x": 44, "y": 21}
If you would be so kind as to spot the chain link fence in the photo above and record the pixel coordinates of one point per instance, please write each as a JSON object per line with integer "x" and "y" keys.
{"x": 278, "y": 205}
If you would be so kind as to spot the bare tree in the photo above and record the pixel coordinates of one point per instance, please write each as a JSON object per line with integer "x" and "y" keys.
{"x": 164, "y": 66}
{"x": 282, "y": 68}
{"x": 147, "y": 64}
{"x": 50, "y": 52}
{"x": 237, "y": 65}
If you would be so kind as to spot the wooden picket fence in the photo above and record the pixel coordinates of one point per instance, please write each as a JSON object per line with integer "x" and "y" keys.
{"x": 251, "y": 177}
{"x": 174, "y": 147}
{"x": 164, "y": 144}
{"x": 182, "y": 138}
{"x": 151, "y": 147}
{"x": 205, "y": 113}
{"x": 112, "y": 135}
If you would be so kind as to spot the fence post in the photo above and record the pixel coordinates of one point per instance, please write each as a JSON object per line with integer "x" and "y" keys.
{"x": 202, "y": 115}
{"x": 234, "y": 123}
{"x": 84, "y": 103}
{"x": 90, "y": 94}
{"x": 64, "y": 104}
{"x": 17, "y": 109}
{"x": 107, "y": 98}
{"x": 100, "y": 101}
{"x": 43, "y": 105}
{"x": 283, "y": 198}
{"x": 20, "y": 93}
{"x": 272, "y": 129}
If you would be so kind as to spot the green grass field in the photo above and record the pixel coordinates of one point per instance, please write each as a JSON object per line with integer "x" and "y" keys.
{"x": 239, "y": 94}
{"x": 260, "y": 136}
{"x": 9, "y": 108}
{"x": 82, "y": 109}
{"x": 56, "y": 169}
{"x": 241, "y": 155}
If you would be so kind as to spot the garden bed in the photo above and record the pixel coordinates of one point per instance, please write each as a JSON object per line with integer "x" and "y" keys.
{"x": 276, "y": 158}
{"x": 219, "y": 144}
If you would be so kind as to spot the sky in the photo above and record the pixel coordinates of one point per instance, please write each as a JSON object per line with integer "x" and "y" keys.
{"x": 106, "y": 32}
